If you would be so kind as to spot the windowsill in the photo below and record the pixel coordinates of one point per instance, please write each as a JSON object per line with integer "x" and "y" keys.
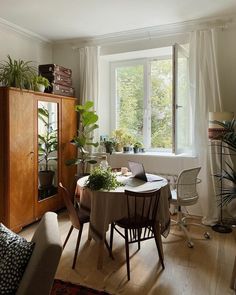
{"x": 154, "y": 154}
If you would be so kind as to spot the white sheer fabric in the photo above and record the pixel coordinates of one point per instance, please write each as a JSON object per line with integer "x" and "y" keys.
{"x": 205, "y": 94}
{"x": 88, "y": 74}
{"x": 89, "y": 77}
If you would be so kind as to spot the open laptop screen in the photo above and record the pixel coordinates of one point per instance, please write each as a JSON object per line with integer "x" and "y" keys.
{"x": 138, "y": 171}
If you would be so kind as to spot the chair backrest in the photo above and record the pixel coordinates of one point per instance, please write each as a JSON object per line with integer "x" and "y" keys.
{"x": 187, "y": 184}
{"x": 142, "y": 206}
{"x": 70, "y": 207}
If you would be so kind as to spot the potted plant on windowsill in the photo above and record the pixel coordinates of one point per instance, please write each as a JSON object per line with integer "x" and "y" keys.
{"x": 84, "y": 140}
{"x": 109, "y": 145}
{"x": 127, "y": 141}
{"x": 117, "y": 138}
{"x": 136, "y": 147}
{"x": 47, "y": 145}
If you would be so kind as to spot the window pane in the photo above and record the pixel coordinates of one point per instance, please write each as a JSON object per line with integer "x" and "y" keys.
{"x": 161, "y": 104}
{"x": 183, "y": 102}
{"x": 130, "y": 92}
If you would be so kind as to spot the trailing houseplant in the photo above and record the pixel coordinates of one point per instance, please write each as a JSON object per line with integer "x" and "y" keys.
{"x": 83, "y": 140}
{"x": 17, "y": 73}
{"x": 47, "y": 145}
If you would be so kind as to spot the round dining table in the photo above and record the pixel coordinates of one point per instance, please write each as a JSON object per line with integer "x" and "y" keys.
{"x": 108, "y": 206}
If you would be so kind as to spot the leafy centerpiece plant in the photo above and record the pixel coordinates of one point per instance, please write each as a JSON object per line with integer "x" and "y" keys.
{"x": 84, "y": 138}
{"x": 17, "y": 73}
{"x": 102, "y": 179}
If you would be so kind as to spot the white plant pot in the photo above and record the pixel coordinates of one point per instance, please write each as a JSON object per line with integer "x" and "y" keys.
{"x": 41, "y": 87}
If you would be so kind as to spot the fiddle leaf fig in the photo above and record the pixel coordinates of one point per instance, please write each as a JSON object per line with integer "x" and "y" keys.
{"x": 84, "y": 138}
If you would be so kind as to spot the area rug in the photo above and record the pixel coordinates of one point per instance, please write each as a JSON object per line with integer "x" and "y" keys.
{"x": 66, "y": 288}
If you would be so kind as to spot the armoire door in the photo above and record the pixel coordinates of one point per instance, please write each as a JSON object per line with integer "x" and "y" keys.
{"x": 21, "y": 186}
{"x": 68, "y": 150}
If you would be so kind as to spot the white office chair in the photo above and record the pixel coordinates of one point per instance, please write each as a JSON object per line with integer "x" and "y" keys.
{"x": 186, "y": 194}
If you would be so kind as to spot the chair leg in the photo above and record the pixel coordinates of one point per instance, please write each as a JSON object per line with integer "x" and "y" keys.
{"x": 127, "y": 253}
{"x": 77, "y": 245}
{"x": 67, "y": 237}
{"x": 139, "y": 236}
{"x": 159, "y": 245}
{"x": 111, "y": 236}
{"x": 109, "y": 249}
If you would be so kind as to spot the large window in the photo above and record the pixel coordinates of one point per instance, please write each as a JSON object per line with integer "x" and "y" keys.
{"x": 148, "y": 94}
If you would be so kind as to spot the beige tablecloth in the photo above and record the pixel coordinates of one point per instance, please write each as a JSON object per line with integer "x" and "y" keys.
{"x": 108, "y": 206}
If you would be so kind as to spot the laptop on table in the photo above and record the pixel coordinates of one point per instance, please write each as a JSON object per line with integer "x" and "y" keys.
{"x": 138, "y": 171}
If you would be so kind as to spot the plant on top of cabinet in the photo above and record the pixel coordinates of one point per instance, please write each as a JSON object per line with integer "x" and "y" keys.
{"x": 47, "y": 145}
{"x": 83, "y": 140}
{"x": 41, "y": 83}
{"x": 17, "y": 73}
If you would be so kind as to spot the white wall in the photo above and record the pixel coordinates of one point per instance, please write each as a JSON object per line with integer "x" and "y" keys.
{"x": 227, "y": 66}
{"x": 19, "y": 45}
{"x": 64, "y": 55}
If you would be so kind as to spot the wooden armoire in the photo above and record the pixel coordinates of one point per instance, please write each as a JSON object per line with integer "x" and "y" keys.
{"x": 22, "y": 198}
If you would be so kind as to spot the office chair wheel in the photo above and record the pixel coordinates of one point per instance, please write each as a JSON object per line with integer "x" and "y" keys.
{"x": 190, "y": 244}
{"x": 207, "y": 235}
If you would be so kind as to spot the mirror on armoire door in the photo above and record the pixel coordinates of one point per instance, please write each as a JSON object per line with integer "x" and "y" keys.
{"x": 47, "y": 149}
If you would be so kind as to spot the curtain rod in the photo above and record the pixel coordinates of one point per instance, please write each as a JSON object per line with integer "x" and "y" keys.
{"x": 156, "y": 32}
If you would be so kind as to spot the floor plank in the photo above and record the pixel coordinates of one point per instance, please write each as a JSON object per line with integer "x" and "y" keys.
{"x": 206, "y": 269}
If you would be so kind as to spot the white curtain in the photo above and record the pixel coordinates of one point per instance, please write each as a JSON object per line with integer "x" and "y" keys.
{"x": 88, "y": 74}
{"x": 205, "y": 94}
{"x": 89, "y": 77}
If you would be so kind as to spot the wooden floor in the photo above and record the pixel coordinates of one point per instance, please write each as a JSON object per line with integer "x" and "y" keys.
{"x": 204, "y": 270}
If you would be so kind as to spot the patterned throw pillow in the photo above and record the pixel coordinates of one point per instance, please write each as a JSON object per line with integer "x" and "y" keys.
{"x": 15, "y": 253}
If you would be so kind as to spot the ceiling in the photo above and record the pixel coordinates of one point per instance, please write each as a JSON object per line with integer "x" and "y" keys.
{"x": 69, "y": 19}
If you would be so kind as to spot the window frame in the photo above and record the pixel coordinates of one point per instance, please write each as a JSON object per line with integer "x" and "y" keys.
{"x": 146, "y": 62}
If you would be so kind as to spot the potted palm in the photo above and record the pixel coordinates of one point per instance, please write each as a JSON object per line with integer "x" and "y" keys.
{"x": 83, "y": 140}
{"x": 228, "y": 137}
{"x": 17, "y": 73}
{"x": 227, "y": 175}
{"x": 47, "y": 145}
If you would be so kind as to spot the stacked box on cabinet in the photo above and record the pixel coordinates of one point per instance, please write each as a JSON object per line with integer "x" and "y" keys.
{"x": 59, "y": 77}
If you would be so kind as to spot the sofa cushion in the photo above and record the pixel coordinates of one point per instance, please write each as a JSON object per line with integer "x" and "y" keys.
{"x": 15, "y": 253}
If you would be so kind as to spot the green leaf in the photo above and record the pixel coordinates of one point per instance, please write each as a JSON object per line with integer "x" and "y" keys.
{"x": 89, "y": 118}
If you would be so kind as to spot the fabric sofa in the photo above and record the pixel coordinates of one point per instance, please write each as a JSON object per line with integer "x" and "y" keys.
{"x": 233, "y": 278}
{"x": 39, "y": 274}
